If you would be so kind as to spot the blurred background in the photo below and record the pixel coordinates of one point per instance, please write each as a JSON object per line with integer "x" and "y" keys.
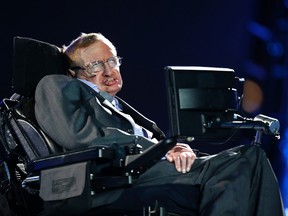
{"x": 249, "y": 36}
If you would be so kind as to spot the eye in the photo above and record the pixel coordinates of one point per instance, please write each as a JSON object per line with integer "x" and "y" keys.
{"x": 113, "y": 61}
{"x": 95, "y": 63}
{"x": 95, "y": 66}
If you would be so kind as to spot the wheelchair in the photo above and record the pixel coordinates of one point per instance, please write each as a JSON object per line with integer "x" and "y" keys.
{"x": 27, "y": 152}
{"x": 28, "y": 155}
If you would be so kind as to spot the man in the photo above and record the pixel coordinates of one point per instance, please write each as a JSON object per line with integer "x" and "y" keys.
{"x": 76, "y": 111}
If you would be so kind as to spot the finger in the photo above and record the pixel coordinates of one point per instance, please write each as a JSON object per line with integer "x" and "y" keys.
{"x": 177, "y": 162}
{"x": 183, "y": 145}
{"x": 183, "y": 163}
{"x": 190, "y": 161}
{"x": 169, "y": 157}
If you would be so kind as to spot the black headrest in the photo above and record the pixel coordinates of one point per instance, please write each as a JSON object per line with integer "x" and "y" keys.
{"x": 32, "y": 60}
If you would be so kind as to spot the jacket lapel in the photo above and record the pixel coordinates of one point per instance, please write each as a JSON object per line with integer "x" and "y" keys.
{"x": 137, "y": 117}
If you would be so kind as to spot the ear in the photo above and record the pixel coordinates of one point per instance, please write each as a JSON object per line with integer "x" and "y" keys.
{"x": 71, "y": 73}
{"x": 89, "y": 75}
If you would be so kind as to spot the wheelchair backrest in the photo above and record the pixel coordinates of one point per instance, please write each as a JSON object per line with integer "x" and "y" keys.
{"x": 20, "y": 135}
{"x": 32, "y": 60}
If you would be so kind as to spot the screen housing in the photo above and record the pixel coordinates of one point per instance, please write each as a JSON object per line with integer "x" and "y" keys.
{"x": 199, "y": 97}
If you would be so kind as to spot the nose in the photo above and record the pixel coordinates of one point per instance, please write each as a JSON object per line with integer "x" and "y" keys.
{"x": 107, "y": 70}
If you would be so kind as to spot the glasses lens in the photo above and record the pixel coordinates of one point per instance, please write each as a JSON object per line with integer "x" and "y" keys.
{"x": 95, "y": 66}
{"x": 114, "y": 61}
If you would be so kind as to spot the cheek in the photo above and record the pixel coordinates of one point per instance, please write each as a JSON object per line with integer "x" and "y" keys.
{"x": 120, "y": 80}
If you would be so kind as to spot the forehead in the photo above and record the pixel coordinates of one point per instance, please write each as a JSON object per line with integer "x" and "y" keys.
{"x": 97, "y": 51}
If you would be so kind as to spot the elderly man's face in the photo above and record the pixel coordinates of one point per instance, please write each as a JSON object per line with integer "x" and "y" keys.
{"x": 109, "y": 79}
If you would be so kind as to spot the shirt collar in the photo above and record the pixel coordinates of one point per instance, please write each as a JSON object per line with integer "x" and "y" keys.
{"x": 107, "y": 96}
{"x": 92, "y": 85}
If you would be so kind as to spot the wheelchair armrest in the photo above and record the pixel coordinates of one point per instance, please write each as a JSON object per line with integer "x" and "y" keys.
{"x": 136, "y": 164}
{"x": 133, "y": 166}
{"x": 99, "y": 153}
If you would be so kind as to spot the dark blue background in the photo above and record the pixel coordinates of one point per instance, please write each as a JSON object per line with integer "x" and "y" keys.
{"x": 152, "y": 34}
{"x": 148, "y": 34}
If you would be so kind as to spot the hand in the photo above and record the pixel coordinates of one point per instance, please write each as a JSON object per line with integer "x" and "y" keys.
{"x": 183, "y": 157}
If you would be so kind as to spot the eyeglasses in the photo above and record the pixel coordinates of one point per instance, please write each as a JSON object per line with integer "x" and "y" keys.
{"x": 97, "y": 66}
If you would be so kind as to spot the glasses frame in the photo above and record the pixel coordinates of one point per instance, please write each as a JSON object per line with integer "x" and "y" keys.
{"x": 89, "y": 67}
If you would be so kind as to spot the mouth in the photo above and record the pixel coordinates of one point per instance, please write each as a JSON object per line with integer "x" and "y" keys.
{"x": 110, "y": 81}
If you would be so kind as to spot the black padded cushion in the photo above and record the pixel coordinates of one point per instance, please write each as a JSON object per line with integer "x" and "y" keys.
{"x": 32, "y": 60}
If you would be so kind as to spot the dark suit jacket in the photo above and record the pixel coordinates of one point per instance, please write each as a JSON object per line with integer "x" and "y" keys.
{"x": 74, "y": 115}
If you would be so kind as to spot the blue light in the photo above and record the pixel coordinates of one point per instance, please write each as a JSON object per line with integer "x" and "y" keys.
{"x": 259, "y": 31}
{"x": 275, "y": 48}
{"x": 284, "y": 187}
{"x": 286, "y": 3}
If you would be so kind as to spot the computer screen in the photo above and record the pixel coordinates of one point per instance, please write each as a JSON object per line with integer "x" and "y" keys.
{"x": 199, "y": 97}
